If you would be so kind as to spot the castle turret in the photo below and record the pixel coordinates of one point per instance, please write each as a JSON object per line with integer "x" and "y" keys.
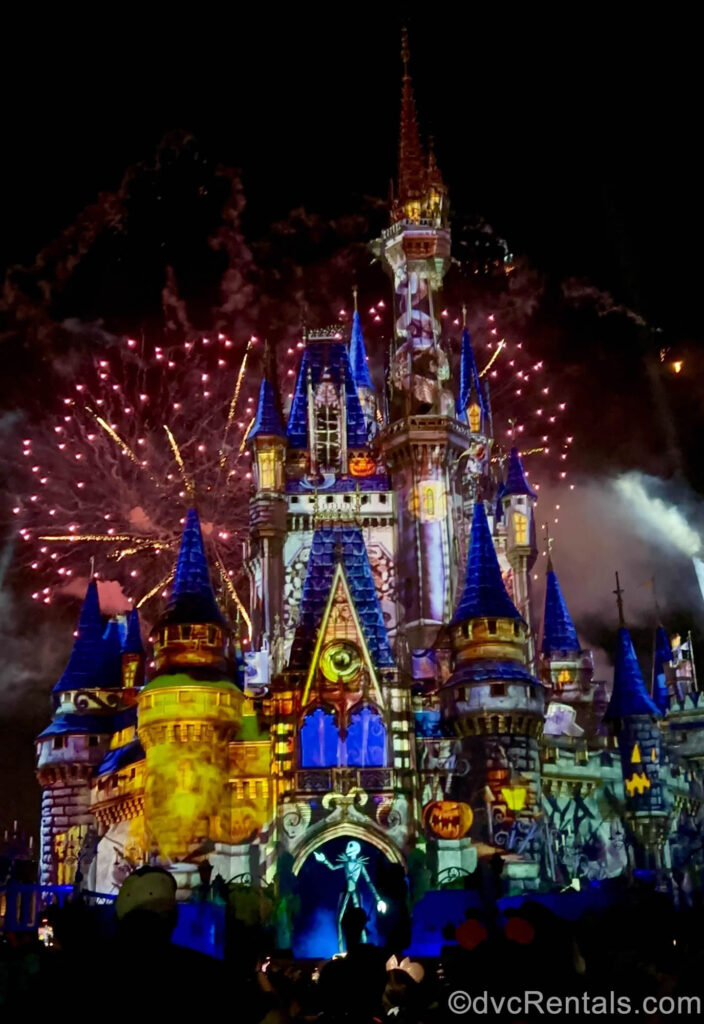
{"x": 634, "y": 719}
{"x": 565, "y": 668}
{"x": 496, "y": 708}
{"x": 267, "y": 510}
{"x": 188, "y": 711}
{"x": 85, "y": 699}
{"x": 518, "y": 500}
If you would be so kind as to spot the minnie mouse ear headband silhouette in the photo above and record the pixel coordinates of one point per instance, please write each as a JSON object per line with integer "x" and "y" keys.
{"x": 410, "y": 967}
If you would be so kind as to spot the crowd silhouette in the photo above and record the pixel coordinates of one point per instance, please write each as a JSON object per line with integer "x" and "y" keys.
{"x": 640, "y": 947}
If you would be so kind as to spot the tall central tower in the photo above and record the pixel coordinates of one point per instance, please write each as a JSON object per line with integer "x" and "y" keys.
{"x": 424, "y": 438}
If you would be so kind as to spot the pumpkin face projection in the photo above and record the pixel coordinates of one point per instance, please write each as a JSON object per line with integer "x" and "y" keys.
{"x": 448, "y": 819}
{"x": 341, "y": 662}
{"x": 362, "y": 465}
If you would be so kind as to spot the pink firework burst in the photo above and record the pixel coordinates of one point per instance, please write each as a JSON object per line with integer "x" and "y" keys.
{"x": 144, "y": 433}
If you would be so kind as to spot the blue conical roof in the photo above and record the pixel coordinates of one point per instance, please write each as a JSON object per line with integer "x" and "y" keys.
{"x": 559, "y": 633}
{"x": 484, "y": 595}
{"x": 629, "y": 696}
{"x": 358, "y": 355}
{"x": 83, "y": 668}
{"x": 192, "y": 599}
{"x": 663, "y": 655}
{"x": 267, "y": 420}
{"x": 470, "y": 385}
{"x": 330, "y": 545}
{"x": 516, "y": 482}
{"x": 330, "y": 358}
{"x": 133, "y": 640}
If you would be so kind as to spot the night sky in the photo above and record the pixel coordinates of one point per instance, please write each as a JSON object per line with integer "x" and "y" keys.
{"x": 576, "y": 138}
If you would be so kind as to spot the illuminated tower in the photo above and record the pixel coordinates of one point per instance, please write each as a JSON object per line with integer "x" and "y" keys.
{"x": 188, "y": 712}
{"x": 635, "y": 719}
{"x": 423, "y": 439}
{"x": 267, "y": 511}
{"x": 518, "y": 500}
{"x": 496, "y": 708}
{"x": 85, "y": 699}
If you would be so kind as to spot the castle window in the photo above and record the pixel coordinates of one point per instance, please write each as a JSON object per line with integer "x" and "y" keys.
{"x": 366, "y": 739}
{"x": 497, "y": 690}
{"x": 491, "y": 626}
{"x": 327, "y": 431}
{"x": 58, "y": 742}
{"x": 516, "y": 628}
{"x": 520, "y": 528}
{"x": 92, "y": 741}
{"x": 267, "y": 470}
{"x": 474, "y": 417}
{"x": 429, "y": 502}
{"x": 185, "y": 632}
{"x": 382, "y": 499}
{"x": 294, "y": 500}
{"x": 320, "y": 740}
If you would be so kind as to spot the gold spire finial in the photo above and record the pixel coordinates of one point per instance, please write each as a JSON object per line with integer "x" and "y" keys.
{"x": 464, "y": 314}
{"x": 355, "y": 293}
{"x": 619, "y": 602}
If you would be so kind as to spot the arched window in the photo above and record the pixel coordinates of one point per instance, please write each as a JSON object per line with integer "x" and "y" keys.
{"x": 320, "y": 741}
{"x": 366, "y": 739}
{"x": 429, "y": 502}
{"x": 474, "y": 417}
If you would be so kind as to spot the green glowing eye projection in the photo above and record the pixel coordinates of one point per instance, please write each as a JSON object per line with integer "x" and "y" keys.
{"x": 340, "y": 661}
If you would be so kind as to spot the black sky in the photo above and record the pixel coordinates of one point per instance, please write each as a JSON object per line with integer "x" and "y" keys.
{"x": 574, "y": 134}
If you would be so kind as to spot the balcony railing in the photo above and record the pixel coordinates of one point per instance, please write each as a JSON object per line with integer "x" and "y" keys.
{"x": 342, "y": 780}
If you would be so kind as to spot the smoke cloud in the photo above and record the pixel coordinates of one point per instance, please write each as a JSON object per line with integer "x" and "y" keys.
{"x": 633, "y": 524}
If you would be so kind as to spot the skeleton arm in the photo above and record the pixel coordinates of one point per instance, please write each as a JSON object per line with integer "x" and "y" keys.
{"x": 322, "y": 859}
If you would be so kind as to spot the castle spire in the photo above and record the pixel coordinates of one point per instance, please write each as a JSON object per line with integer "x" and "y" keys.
{"x": 516, "y": 482}
{"x": 358, "y": 355}
{"x": 629, "y": 696}
{"x": 192, "y": 599}
{"x": 471, "y": 393}
{"x": 86, "y": 657}
{"x": 411, "y": 170}
{"x": 267, "y": 420}
{"x": 559, "y": 633}
{"x": 484, "y": 595}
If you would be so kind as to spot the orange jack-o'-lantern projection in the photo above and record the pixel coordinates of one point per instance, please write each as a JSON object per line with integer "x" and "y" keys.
{"x": 448, "y": 819}
{"x": 362, "y": 465}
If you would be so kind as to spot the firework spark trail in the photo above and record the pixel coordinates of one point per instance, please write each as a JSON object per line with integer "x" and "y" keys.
{"x": 188, "y": 483}
{"x": 114, "y": 435}
{"x": 233, "y": 404}
{"x": 493, "y": 358}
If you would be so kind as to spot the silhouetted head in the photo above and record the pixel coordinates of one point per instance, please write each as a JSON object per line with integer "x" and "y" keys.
{"x": 146, "y": 906}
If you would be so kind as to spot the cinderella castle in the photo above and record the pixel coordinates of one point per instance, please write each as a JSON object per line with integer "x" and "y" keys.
{"x": 406, "y": 709}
